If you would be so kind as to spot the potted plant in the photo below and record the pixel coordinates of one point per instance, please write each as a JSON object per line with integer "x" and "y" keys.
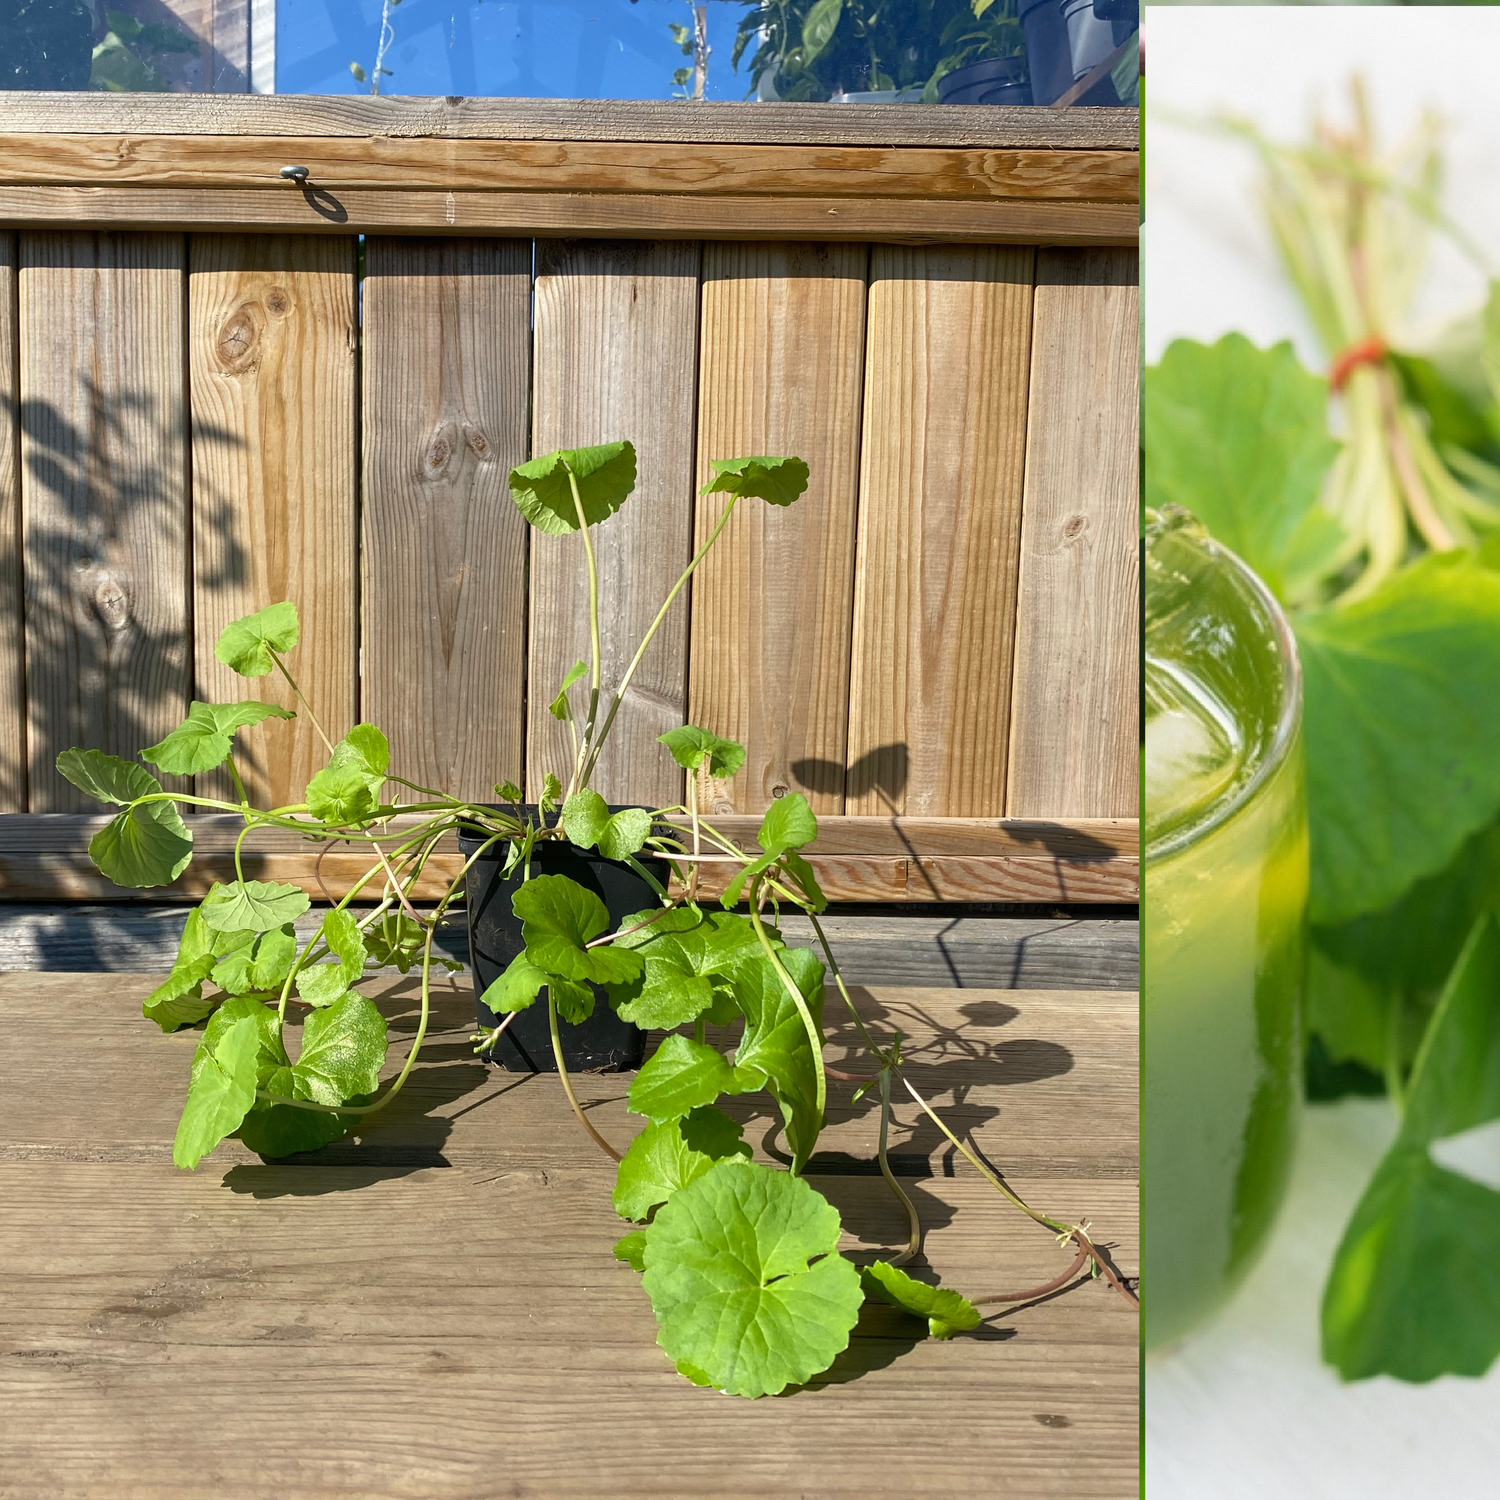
{"x": 713, "y": 1232}
{"x": 862, "y": 49}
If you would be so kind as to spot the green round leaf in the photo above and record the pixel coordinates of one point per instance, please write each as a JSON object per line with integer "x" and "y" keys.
{"x": 106, "y": 777}
{"x": 691, "y": 747}
{"x": 585, "y": 816}
{"x": 679, "y": 1076}
{"x": 220, "y": 1093}
{"x": 179, "y": 1001}
{"x": 343, "y": 1050}
{"x": 605, "y": 476}
{"x": 558, "y": 919}
{"x": 745, "y": 1278}
{"x": 625, "y": 833}
{"x": 1239, "y": 437}
{"x": 144, "y": 845}
{"x": 946, "y": 1311}
{"x": 516, "y": 988}
{"x": 206, "y": 736}
{"x": 788, "y": 824}
{"x": 342, "y": 795}
{"x": 260, "y": 966}
{"x": 1387, "y": 806}
{"x": 669, "y": 1154}
{"x": 777, "y": 480}
{"x": 776, "y": 1052}
{"x": 253, "y": 906}
{"x": 245, "y": 645}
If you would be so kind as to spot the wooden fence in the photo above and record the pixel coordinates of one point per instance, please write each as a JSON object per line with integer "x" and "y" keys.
{"x": 221, "y": 389}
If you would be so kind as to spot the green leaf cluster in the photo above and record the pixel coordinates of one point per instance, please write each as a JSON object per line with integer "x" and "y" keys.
{"x": 146, "y": 843}
{"x": 242, "y": 1055}
{"x": 1412, "y": 1291}
{"x": 1400, "y": 724}
{"x": 347, "y": 789}
{"x": 811, "y": 49}
{"x": 788, "y": 824}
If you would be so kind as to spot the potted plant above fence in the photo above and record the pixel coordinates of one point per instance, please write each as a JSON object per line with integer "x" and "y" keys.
{"x": 586, "y": 931}
{"x": 856, "y": 49}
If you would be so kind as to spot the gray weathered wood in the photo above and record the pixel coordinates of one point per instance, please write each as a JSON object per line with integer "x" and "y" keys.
{"x": 1075, "y": 733}
{"x": 572, "y": 119}
{"x": 616, "y": 356}
{"x": 455, "y": 1262}
{"x": 104, "y": 453}
{"x": 446, "y": 372}
{"x": 996, "y": 952}
{"x": 12, "y": 620}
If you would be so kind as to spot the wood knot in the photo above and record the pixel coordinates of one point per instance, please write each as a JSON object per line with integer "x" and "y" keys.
{"x": 239, "y": 337}
{"x": 1074, "y": 527}
{"x": 478, "y": 443}
{"x": 440, "y": 449}
{"x": 780, "y": 790}
{"x": 107, "y": 593}
{"x": 278, "y": 304}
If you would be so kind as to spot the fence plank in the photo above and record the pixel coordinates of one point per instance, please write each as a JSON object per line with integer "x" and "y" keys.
{"x": 446, "y": 369}
{"x": 1074, "y": 737}
{"x": 616, "y": 352}
{"x": 763, "y": 122}
{"x": 940, "y": 495}
{"x": 781, "y": 365}
{"x": 854, "y": 859}
{"x": 12, "y": 618}
{"x": 272, "y": 351}
{"x": 338, "y": 164}
{"x": 916, "y": 221}
{"x": 104, "y": 450}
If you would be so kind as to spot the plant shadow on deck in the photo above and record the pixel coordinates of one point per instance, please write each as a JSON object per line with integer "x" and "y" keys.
{"x": 409, "y": 1136}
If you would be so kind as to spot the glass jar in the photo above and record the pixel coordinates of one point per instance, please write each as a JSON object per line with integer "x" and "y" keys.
{"x": 1225, "y": 921}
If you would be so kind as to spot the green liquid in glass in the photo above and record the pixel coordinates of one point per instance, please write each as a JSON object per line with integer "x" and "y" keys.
{"x": 1225, "y": 923}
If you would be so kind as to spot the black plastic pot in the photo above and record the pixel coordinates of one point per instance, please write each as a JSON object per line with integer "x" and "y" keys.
{"x": 602, "y": 1041}
{"x": 997, "y": 80}
{"x": 1049, "y": 60}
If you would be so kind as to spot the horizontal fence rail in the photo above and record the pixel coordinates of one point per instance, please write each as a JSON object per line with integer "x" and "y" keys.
{"x": 534, "y": 167}
{"x": 937, "y": 645}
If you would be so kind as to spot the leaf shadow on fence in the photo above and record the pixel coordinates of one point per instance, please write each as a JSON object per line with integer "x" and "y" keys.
{"x": 108, "y": 578}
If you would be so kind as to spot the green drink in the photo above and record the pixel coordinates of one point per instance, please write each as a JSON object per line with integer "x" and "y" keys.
{"x": 1225, "y": 921}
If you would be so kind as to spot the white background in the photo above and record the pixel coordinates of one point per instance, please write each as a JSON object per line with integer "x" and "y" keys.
{"x": 1209, "y": 264}
{"x": 1245, "y": 1410}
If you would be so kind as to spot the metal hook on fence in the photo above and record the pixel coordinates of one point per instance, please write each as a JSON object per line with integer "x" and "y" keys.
{"x": 299, "y": 175}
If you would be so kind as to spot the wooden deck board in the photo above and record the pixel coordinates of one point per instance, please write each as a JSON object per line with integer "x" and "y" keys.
{"x": 1038, "y": 951}
{"x": 449, "y": 1322}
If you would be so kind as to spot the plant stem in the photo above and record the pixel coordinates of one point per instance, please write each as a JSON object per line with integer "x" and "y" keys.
{"x": 838, "y": 979}
{"x": 914, "y": 1246}
{"x": 281, "y": 667}
{"x": 619, "y": 693}
{"x": 1032, "y": 1293}
{"x": 567, "y": 1083}
{"x": 1395, "y": 1085}
{"x": 239, "y": 786}
{"x": 588, "y": 552}
{"x": 790, "y": 985}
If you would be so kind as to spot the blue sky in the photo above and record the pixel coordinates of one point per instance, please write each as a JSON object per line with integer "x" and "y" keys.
{"x": 558, "y": 49}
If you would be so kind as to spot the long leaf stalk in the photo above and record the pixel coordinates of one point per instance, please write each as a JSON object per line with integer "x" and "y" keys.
{"x": 1352, "y": 228}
